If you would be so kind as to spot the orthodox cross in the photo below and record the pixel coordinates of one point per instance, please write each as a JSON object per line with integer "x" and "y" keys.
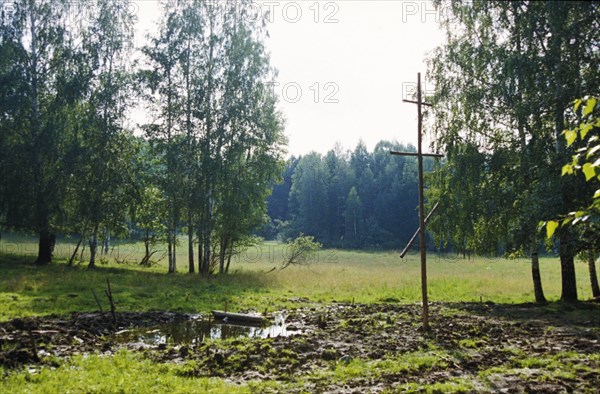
{"x": 422, "y": 219}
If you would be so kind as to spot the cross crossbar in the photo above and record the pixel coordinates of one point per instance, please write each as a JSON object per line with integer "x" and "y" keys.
{"x": 416, "y": 234}
{"x": 416, "y": 102}
{"x": 416, "y": 154}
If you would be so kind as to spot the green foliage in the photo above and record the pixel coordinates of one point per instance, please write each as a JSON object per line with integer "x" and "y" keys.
{"x": 68, "y": 163}
{"x": 357, "y": 199}
{"x": 149, "y": 214}
{"x": 218, "y": 133}
{"x": 150, "y": 218}
{"x": 41, "y": 83}
{"x": 353, "y": 216}
{"x": 301, "y": 250}
{"x": 585, "y": 139}
{"x": 458, "y": 185}
{"x": 503, "y": 80}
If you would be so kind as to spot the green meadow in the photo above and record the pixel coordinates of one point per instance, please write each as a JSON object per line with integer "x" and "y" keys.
{"x": 257, "y": 283}
{"x": 331, "y": 275}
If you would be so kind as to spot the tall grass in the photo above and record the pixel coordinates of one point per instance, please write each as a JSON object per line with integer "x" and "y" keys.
{"x": 332, "y": 275}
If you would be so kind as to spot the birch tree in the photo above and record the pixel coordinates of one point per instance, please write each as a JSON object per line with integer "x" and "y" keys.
{"x": 39, "y": 87}
{"x": 504, "y": 79}
{"x": 107, "y": 183}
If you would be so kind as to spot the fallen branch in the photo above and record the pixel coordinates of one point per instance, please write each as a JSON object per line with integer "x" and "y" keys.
{"x": 72, "y": 259}
{"x": 146, "y": 260}
{"x": 109, "y": 295}
{"x": 238, "y": 317}
{"x": 97, "y": 301}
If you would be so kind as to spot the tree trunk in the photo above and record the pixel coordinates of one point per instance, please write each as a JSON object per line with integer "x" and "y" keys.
{"x": 200, "y": 252}
{"x": 81, "y": 254}
{"x": 567, "y": 267}
{"x": 102, "y": 238}
{"x": 146, "y": 259}
{"x": 229, "y": 256}
{"x": 222, "y": 252}
{"x": 93, "y": 247}
{"x": 174, "y": 265}
{"x": 106, "y": 239}
{"x": 45, "y": 247}
{"x": 75, "y": 251}
{"x": 190, "y": 154}
{"x": 593, "y": 275}
{"x": 206, "y": 258}
{"x": 535, "y": 273}
{"x": 170, "y": 248}
{"x": 206, "y": 235}
{"x": 208, "y": 183}
{"x": 190, "y": 245}
{"x": 147, "y": 244}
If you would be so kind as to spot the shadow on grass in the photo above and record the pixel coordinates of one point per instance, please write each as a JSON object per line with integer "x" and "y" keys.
{"x": 582, "y": 313}
{"x": 28, "y": 289}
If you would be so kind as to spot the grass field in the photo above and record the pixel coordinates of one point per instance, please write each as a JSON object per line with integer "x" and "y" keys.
{"x": 332, "y": 276}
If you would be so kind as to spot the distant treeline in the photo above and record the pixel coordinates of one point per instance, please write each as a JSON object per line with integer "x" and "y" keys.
{"x": 349, "y": 199}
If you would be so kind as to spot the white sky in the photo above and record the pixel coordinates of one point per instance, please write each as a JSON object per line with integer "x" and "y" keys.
{"x": 362, "y": 56}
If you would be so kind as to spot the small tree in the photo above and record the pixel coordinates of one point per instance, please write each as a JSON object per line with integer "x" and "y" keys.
{"x": 150, "y": 219}
{"x": 300, "y": 250}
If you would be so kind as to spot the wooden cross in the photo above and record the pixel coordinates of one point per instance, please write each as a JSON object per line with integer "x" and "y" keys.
{"x": 422, "y": 219}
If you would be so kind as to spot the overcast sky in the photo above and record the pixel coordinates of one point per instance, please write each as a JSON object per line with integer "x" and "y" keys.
{"x": 344, "y": 67}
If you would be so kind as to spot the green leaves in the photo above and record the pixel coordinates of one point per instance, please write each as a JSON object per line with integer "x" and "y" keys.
{"x": 484, "y": 83}
{"x": 570, "y": 136}
{"x": 567, "y": 169}
{"x": 589, "y": 106}
{"x": 219, "y": 134}
{"x": 551, "y": 227}
{"x": 585, "y": 129}
{"x": 590, "y": 121}
{"x": 586, "y": 159}
{"x": 589, "y": 171}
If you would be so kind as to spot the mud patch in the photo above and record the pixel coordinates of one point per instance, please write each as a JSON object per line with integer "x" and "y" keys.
{"x": 345, "y": 348}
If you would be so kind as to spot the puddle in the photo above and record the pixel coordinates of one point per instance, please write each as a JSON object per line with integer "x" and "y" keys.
{"x": 198, "y": 329}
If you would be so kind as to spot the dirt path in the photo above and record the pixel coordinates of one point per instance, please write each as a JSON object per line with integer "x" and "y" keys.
{"x": 354, "y": 348}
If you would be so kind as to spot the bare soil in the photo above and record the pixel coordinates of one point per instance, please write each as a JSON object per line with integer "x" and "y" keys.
{"x": 481, "y": 343}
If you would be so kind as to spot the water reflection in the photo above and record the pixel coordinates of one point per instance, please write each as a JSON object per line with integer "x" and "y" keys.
{"x": 197, "y": 330}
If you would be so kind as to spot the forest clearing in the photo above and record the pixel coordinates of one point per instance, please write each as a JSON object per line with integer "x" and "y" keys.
{"x": 229, "y": 196}
{"x": 349, "y": 326}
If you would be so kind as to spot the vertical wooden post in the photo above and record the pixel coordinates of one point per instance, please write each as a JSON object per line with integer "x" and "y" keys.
{"x": 422, "y": 247}
{"x": 109, "y": 295}
{"x": 422, "y": 218}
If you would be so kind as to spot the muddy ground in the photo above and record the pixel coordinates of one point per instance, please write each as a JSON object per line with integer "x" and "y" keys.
{"x": 479, "y": 343}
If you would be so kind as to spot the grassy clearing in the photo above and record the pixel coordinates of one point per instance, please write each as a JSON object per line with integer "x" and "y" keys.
{"x": 125, "y": 372}
{"x": 344, "y": 276}
{"x": 404, "y": 363}
{"x": 334, "y": 275}
{"x": 566, "y": 365}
